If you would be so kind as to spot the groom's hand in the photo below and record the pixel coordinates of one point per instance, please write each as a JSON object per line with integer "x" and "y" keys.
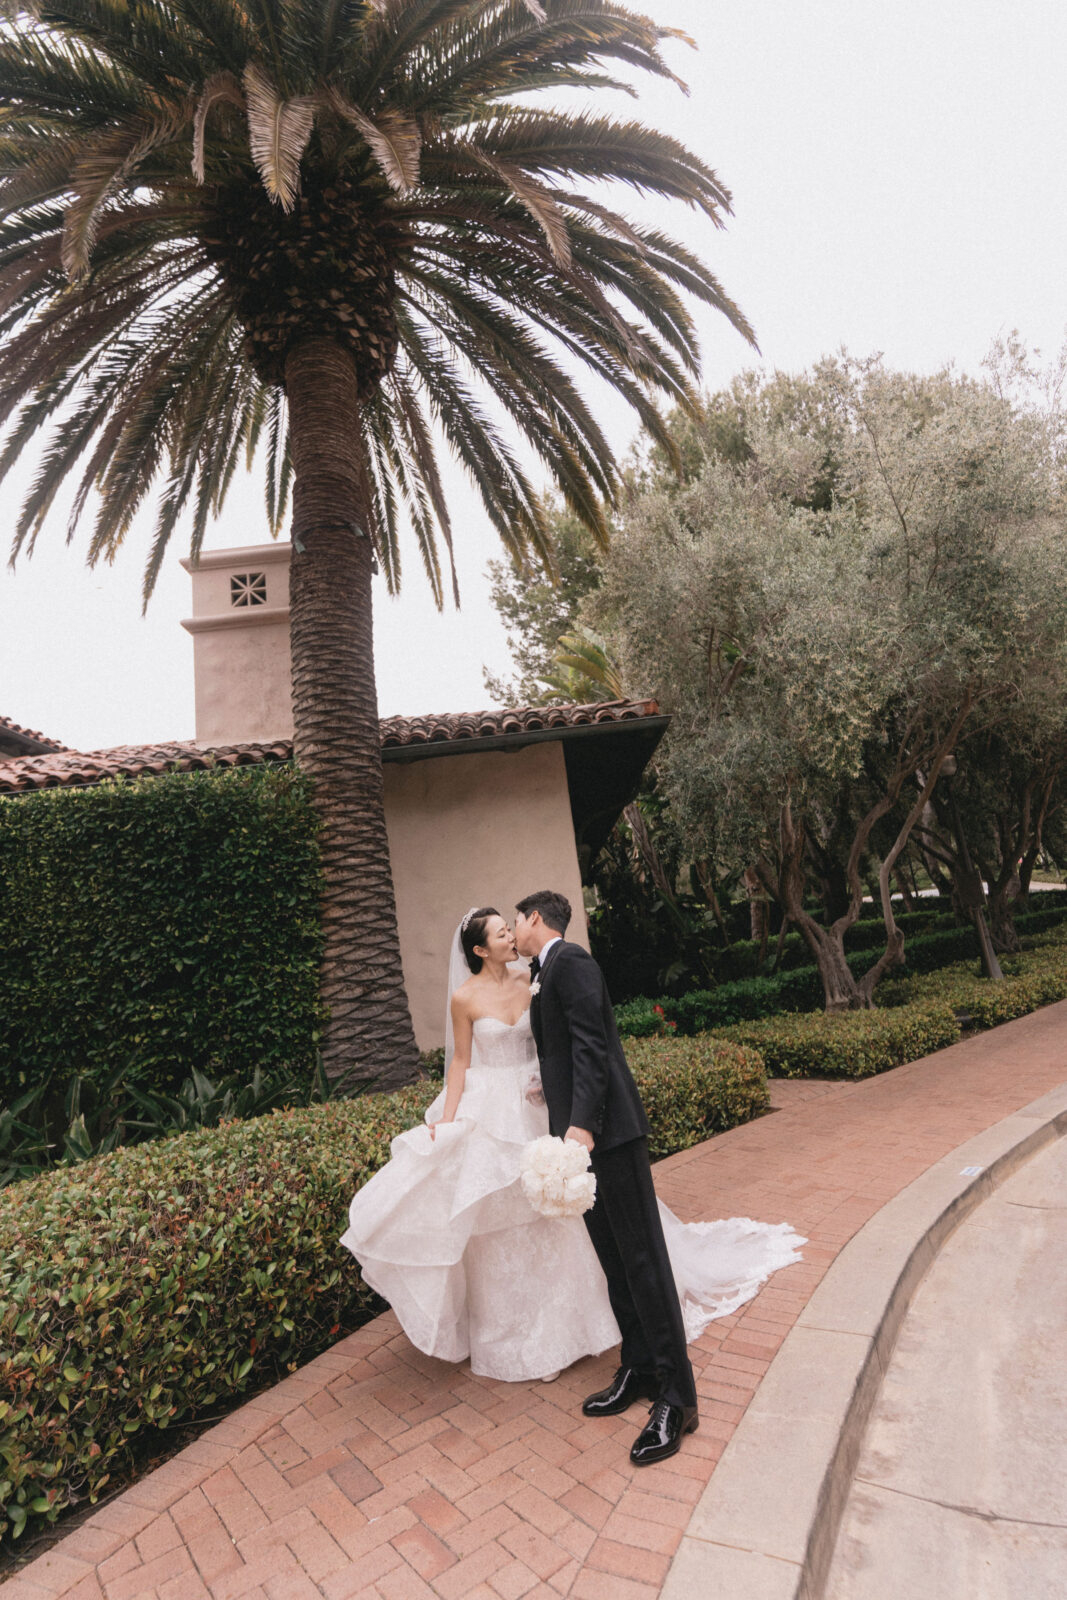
{"x": 581, "y": 1136}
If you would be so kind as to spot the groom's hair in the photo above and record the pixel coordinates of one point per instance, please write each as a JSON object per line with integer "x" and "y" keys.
{"x": 555, "y": 908}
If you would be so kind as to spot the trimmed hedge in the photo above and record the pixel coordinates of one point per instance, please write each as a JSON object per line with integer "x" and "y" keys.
{"x": 158, "y": 926}
{"x": 150, "y": 1284}
{"x": 1036, "y": 978}
{"x": 144, "y": 1286}
{"x": 693, "y": 1088}
{"x": 801, "y": 990}
{"x": 922, "y": 1014}
{"x": 741, "y": 960}
{"x": 851, "y": 1044}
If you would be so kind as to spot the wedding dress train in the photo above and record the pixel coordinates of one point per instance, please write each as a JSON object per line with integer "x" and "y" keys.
{"x": 444, "y": 1233}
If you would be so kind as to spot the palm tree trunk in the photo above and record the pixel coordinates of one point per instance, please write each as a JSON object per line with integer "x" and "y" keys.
{"x": 369, "y": 1040}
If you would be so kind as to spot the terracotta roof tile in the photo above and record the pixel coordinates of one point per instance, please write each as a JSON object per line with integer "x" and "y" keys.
{"x": 64, "y": 768}
{"x": 456, "y": 726}
{"x": 42, "y": 739}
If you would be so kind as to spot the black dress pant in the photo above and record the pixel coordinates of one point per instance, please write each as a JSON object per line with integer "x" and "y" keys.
{"x": 627, "y": 1236}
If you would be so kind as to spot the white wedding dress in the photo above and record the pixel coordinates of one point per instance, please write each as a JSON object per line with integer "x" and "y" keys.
{"x": 444, "y": 1233}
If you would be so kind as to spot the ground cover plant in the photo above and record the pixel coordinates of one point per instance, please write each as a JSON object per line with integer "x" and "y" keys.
{"x": 162, "y": 1280}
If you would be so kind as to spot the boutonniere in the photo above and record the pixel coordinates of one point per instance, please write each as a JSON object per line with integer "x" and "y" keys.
{"x": 535, "y": 987}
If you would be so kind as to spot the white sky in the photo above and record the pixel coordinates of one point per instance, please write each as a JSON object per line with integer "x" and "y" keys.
{"x": 897, "y": 174}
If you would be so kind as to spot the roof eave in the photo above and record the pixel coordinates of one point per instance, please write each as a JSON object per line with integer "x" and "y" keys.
{"x": 651, "y": 726}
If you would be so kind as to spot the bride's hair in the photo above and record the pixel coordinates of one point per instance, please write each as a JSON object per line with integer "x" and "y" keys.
{"x": 472, "y": 932}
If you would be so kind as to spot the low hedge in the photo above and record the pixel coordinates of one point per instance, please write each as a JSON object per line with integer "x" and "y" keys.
{"x": 801, "y": 990}
{"x": 695, "y": 1087}
{"x": 1036, "y": 978}
{"x": 148, "y": 1285}
{"x": 741, "y": 960}
{"x": 919, "y": 1014}
{"x": 851, "y": 1044}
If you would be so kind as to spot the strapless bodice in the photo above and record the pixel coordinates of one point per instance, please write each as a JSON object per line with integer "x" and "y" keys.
{"x": 504, "y": 1044}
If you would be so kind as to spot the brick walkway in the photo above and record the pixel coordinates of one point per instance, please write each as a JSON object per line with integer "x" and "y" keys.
{"x": 378, "y": 1473}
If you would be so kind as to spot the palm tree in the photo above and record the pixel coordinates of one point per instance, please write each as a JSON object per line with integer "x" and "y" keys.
{"x": 321, "y": 234}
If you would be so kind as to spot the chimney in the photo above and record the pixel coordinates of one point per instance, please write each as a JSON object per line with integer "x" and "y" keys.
{"x": 240, "y": 629}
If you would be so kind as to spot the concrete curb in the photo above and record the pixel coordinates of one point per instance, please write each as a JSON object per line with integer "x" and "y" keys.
{"x": 766, "y": 1525}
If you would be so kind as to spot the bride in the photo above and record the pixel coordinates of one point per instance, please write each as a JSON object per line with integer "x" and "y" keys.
{"x": 444, "y": 1233}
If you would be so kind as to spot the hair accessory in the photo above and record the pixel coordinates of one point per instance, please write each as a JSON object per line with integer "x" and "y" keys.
{"x": 465, "y": 924}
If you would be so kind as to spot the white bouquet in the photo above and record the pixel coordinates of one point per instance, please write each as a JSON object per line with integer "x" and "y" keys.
{"x": 556, "y": 1178}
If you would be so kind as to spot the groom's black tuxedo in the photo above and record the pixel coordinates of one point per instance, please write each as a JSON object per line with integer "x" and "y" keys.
{"x": 588, "y": 1084}
{"x": 584, "y": 1075}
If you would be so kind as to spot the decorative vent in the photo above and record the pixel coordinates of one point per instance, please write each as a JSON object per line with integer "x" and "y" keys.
{"x": 248, "y": 589}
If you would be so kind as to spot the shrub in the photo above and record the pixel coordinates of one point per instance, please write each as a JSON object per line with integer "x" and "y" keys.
{"x": 157, "y": 926}
{"x": 800, "y": 989}
{"x": 149, "y": 1284}
{"x": 741, "y": 960}
{"x": 850, "y": 1044}
{"x": 1036, "y": 978}
{"x": 695, "y": 1087}
{"x": 42, "y": 1130}
{"x": 706, "y": 1009}
{"x": 143, "y": 1286}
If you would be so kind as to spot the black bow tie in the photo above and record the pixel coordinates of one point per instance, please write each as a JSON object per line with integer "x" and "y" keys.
{"x": 535, "y": 967}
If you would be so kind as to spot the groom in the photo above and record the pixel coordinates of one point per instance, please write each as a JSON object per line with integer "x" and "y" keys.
{"x": 591, "y": 1096}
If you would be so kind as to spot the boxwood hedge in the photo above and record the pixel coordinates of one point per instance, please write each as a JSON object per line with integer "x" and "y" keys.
{"x": 741, "y": 960}
{"x": 150, "y": 1284}
{"x": 1036, "y": 978}
{"x": 695, "y": 1087}
{"x": 852, "y": 1044}
{"x": 800, "y": 989}
{"x": 919, "y": 1014}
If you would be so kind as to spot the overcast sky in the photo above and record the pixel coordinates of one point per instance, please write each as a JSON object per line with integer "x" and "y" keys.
{"x": 897, "y": 174}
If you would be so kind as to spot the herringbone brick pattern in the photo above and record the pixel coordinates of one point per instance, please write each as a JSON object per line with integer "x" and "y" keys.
{"x": 378, "y": 1473}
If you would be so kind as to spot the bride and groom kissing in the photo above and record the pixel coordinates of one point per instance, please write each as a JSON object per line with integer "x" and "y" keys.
{"x": 446, "y": 1235}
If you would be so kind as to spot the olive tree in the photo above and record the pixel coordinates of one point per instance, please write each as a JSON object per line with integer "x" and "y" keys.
{"x": 825, "y": 641}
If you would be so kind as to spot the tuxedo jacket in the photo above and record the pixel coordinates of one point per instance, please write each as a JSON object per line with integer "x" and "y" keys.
{"x": 584, "y": 1075}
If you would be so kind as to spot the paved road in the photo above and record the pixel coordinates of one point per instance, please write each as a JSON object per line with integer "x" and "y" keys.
{"x": 961, "y": 1489}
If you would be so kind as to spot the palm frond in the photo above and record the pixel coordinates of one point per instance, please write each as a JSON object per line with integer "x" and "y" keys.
{"x": 220, "y": 87}
{"x": 278, "y": 134}
{"x": 478, "y": 255}
{"x": 538, "y": 201}
{"x": 394, "y": 140}
{"x": 97, "y": 174}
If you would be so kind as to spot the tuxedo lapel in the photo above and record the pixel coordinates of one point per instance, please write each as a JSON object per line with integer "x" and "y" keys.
{"x": 535, "y": 1003}
{"x": 546, "y": 965}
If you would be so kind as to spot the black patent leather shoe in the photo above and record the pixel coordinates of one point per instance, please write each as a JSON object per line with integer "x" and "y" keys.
{"x": 661, "y": 1437}
{"x": 625, "y": 1387}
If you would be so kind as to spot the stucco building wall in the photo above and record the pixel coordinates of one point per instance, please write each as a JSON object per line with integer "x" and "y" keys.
{"x": 482, "y": 828}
